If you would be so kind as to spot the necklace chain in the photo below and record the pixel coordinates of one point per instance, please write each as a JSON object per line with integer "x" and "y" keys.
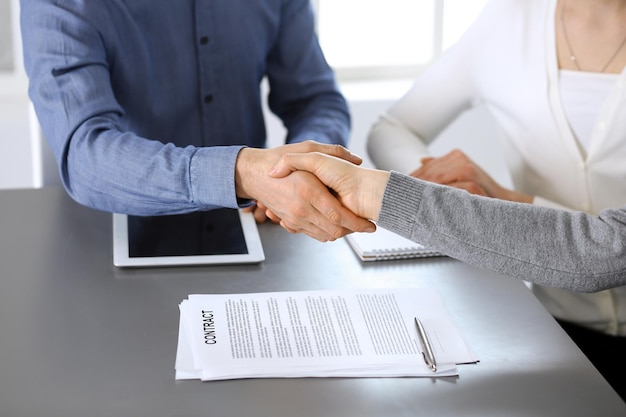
{"x": 571, "y": 51}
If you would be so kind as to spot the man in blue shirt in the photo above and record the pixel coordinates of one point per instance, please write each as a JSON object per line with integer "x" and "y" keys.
{"x": 154, "y": 107}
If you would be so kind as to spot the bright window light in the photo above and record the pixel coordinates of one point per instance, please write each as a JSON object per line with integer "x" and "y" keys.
{"x": 386, "y": 38}
{"x": 376, "y": 33}
{"x": 458, "y": 15}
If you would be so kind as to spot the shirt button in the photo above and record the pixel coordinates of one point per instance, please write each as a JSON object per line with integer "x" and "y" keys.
{"x": 204, "y": 40}
{"x": 208, "y": 98}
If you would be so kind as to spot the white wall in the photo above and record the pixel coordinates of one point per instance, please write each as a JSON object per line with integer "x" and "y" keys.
{"x": 6, "y": 38}
{"x": 15, "y": 151}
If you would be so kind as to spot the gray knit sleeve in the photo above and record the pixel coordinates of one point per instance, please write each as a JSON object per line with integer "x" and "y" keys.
{"x": 553, "y": 248}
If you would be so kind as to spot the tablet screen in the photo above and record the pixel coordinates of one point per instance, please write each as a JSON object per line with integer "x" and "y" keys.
{"x": 210, "y": 237}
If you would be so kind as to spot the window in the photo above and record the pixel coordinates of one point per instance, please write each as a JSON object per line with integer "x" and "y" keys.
{"x": 365, "y": 39}
{"x": 6, "y": 37}
{"x": 12, "y": 77}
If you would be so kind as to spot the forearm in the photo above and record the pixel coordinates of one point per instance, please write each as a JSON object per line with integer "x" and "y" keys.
{"x": 549, "y": 247}
{"x": 121, "y": 172}
{"x": 323, "y": 119}
{"x": 392, "y": 146}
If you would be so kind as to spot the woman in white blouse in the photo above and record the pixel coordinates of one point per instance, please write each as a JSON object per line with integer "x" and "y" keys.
{"x": 553, "y": 75}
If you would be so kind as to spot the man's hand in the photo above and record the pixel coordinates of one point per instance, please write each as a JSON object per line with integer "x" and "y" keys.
{"x": 299, "y": 202}
{"x": 456, "y": 169}
{"x": 359, "y": 189}
{"x": 261, "y": 213}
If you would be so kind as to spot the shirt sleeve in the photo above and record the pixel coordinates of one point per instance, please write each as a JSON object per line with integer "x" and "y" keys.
{"x": 554, "y": 248}
{"x": 303, "y": 90}
{"x": 103, "y": 164}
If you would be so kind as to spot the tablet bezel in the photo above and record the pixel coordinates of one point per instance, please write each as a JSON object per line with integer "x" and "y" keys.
{"x": 249, "y": 227}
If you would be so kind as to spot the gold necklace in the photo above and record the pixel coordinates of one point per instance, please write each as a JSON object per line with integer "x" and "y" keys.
{"x": 572, "y": 56}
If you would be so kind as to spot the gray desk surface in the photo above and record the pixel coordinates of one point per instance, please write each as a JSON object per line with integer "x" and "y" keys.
{"x": 79, "y": 337}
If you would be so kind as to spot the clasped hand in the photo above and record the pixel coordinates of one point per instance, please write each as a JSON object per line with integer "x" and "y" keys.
{"x": 456, "y": 169}
{"x": 358, "y": 189}
{"x": 300, "y": 201}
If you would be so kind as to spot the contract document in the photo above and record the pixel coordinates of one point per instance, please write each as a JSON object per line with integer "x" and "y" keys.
{"x": 328, "y": 333}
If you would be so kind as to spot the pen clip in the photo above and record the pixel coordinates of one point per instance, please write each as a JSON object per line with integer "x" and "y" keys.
{"x": 427, "y": 351}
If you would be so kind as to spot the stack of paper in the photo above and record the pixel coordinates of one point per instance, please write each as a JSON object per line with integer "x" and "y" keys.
{"x": 347, "y": 333}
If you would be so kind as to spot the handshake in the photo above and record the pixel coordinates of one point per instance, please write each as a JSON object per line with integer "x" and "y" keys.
{"x": 311, "y": 188}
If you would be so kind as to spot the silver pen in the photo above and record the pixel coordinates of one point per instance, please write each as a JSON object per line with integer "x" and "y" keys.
{"x": 427, "y": 351}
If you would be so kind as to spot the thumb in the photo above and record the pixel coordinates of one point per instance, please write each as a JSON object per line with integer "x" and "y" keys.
{"x": 286, "y": 165}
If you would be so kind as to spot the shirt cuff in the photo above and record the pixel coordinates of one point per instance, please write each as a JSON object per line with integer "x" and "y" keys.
{"x": 212, "y": 177}
{"x": 401, "y": 201}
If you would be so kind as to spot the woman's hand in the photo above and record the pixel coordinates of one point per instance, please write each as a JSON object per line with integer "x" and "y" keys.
{"x": 456, "y": 169}
{"x": 359, "y": 189}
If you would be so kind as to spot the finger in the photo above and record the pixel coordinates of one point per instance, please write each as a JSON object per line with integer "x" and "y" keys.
{"x": 345, "y": 154}
{"x": 310, "y": 230}
{"x": 440, "y": 174}
{"x": 323, "y": 226}
{"x": 287, "y": 228}
{"x": 272, "y": 216}
{"x": 295, "y": 162}
{"x": 306, "y": 206}
{"x": 259, "y": 215}
{"x": 337, "y": 214}
{"x": 470, "y": 187}
{"x": 267, "y": 213}
{"x": 312, "y": 223}
{"x": 425, "y": 172}
{"x": 334, "y": 218}
{"x": 334, "y": 150}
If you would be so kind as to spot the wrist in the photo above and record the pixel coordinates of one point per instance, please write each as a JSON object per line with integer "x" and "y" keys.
{"x": 244, "y": 173}
{"x": 518, "y": 197}
{"x": 374, "y": 185}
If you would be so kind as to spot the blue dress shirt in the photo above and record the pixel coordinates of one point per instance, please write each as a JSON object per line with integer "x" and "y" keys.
{"x": 146, "y": 103}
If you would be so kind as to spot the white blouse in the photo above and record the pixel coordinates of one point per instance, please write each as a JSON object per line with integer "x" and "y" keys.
{"x": 583, "y": 95}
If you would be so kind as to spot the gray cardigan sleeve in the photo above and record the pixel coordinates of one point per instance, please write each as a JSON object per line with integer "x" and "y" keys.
{"x": 549, "y": 247}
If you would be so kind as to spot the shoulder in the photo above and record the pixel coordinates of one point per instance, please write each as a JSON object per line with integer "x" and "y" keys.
{"x": 507, "y": 22}
{"x": 72, "y": 12}
{"x": 506, "y": 11}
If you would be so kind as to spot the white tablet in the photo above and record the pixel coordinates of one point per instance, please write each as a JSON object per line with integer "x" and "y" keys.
{"x": 221, "y": 236}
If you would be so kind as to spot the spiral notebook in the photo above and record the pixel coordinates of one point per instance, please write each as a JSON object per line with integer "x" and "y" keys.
{"x": 385, "y": 245}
